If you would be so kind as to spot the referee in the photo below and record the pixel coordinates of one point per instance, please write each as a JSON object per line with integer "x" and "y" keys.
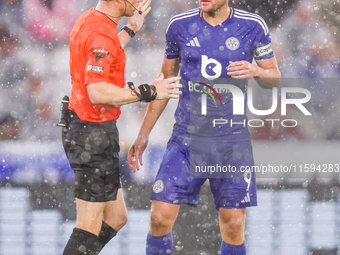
{"x": 90, "y": 137}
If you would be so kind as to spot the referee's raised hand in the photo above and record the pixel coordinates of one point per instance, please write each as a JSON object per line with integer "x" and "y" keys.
{"x": 136, "y": 21}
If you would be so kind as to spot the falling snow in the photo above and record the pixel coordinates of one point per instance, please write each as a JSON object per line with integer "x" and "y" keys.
{"x": 295, "y": 215}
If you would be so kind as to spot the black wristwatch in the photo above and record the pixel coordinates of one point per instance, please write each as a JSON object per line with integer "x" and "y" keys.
{"x": 129, "y": 31}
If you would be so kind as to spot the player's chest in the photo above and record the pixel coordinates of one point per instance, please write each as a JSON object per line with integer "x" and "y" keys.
{"x": 222, "y": 43}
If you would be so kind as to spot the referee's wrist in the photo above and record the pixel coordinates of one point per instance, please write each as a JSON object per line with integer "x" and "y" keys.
{"x": 129, "y": 30}
{"x": 133, "y": 92}
{"x": 146, "y": 93}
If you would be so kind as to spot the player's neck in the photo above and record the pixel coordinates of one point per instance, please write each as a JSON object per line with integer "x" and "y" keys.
{"x": 112, "y": 12}
{"x": 218, "y": 16}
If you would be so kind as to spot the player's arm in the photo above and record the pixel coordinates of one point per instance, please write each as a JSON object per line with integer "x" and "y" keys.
{"x": 269, "y": 75}
{"x": 170, "y": 68}
{"x": 135, "y": 22}
{"x": 266, "y": 72}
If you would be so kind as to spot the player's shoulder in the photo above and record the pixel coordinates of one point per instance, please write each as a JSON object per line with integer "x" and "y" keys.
{"x": 250, "y": 19}
{"x": 184, "y": 17}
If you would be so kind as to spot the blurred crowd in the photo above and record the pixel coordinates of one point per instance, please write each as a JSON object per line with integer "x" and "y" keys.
{"x": 34, "y": 74}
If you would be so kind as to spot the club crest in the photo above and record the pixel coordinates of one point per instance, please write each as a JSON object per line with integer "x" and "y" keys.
{"x": 158, "y": 186}
{"x": 232, "y": 43}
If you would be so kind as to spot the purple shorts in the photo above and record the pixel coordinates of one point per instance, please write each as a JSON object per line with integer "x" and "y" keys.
{"x": 184, "y": 169}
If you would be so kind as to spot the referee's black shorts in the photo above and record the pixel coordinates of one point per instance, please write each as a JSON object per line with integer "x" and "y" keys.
{"x": 93, "y": 152}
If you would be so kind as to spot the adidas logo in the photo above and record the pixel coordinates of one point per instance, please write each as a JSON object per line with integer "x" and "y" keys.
{"x": 194, "y": 43}
{"x": 246, "y": 199}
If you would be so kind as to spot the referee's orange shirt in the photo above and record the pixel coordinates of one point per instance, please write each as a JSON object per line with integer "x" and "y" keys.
{"x": 96, "y": 56}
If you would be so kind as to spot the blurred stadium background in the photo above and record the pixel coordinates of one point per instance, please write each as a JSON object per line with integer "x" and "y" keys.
{"x": 297, "y": 214}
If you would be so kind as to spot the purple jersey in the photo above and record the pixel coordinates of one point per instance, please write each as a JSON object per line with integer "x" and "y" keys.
{"x": 205, "y": 52}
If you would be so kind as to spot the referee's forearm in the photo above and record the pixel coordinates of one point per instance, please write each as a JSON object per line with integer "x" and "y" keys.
{"x": 108, "y": 94}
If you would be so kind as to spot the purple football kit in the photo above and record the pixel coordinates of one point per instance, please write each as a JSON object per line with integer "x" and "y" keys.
{"x": 210, "y": 141}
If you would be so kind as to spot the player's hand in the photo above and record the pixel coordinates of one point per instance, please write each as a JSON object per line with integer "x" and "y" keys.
{"x": 242, "y": 70}
{"x": 136, "y": 21}
{"x": 167, "y": 88}
{"x": 136, "y": 152}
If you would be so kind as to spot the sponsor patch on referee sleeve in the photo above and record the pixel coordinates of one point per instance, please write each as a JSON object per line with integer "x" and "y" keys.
{"x": 99, "y": 53}
{"x": 262, "y": 51}
{"x": 96, "y": 68}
